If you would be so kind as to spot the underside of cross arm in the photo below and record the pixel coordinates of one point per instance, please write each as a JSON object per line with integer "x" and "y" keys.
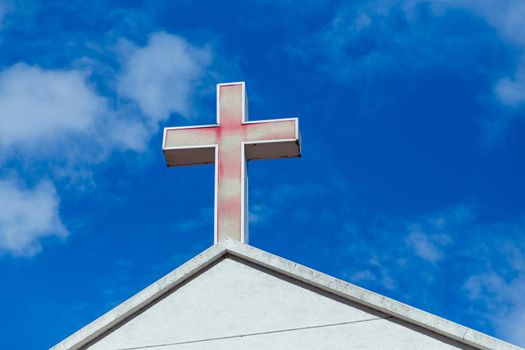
{"x": 189, "y": 156}
{"x": 272, "y": 150}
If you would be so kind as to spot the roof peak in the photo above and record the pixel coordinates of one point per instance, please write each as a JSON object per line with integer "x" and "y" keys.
{"x": 288, "y": 268}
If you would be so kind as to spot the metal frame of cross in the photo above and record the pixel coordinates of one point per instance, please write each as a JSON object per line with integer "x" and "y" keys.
{"x": 230, "y": 144}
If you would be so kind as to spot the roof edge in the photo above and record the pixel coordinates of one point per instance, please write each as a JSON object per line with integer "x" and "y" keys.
{"x": 142, "y": 299}
{"x": 370, "y": 299}
{"x": 296, "y": 271}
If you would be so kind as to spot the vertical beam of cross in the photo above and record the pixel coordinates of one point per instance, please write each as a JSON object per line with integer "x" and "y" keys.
{"x": 230, "y": 144}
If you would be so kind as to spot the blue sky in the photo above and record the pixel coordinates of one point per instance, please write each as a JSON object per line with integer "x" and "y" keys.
{"x": 411, "y": 184}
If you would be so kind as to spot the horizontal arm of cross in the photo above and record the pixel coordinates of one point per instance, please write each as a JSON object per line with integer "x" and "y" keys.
{"x": 267, "y": 139}
{"x": 271, "y": 139}
{"x": 190, "y": 145}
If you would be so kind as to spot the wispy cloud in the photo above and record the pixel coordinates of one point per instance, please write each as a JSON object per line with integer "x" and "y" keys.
{"x": 486, "y": 259}
{"x": 398, "y": 243}
{"x": 367, "y": 42}
{"x": 39, "y": 107}
{"x": 506, "y": 17}
{"x": 498, "y": 285}
{"x": 27, "y": 215}
{"x": 57, "y": 120}
{"x": 428, "y": 237}
{"x": 358, "y": 42}
{"x": 50, "y": 106}
{"x": 511, "y": 90}
{"x": 452, "y": 252}
{"x": 162, "y": 76}
{"x": 427, "y": 247}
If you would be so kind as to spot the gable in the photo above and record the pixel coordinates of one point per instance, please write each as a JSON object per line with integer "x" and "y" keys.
{"x": 237, "y": 304}
{"x": 216, "y": 292}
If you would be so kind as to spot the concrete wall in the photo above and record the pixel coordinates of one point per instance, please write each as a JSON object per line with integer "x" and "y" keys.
{"x": 235, "y": 305}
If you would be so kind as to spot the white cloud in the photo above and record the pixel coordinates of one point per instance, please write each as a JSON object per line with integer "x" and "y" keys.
{"x": 511, "y": 90}
{"x": 428, "y": 236}
{"x": 56, "y": 120}
{"x": 39, "y": 106}
{"x": 162, "y": 76}
{"x": 424, "y": 246}
{"x": 27, "y": 216}
{"x": 59, "y": 112}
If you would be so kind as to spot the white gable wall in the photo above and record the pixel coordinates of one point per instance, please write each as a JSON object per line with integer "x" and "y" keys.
{"x": 237, "y": 305}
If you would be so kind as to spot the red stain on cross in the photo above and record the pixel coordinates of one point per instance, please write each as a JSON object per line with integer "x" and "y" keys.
{"x": 230, "y": 144}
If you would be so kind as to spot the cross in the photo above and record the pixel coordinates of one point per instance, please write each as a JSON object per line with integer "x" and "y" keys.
{"x": 230, "y": 144}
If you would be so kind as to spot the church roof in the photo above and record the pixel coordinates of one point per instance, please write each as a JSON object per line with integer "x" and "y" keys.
{"x": 342, "y": 289}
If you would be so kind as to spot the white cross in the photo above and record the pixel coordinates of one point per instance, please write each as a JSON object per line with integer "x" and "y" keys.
{"x": 229, "y": 144}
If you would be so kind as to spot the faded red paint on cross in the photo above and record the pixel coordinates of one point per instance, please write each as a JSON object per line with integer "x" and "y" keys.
{"x": 230, "y": 143}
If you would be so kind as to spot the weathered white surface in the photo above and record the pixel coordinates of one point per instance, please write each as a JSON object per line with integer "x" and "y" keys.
{"x": 174, "y": 282}
{"x": 232, "y": 299}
